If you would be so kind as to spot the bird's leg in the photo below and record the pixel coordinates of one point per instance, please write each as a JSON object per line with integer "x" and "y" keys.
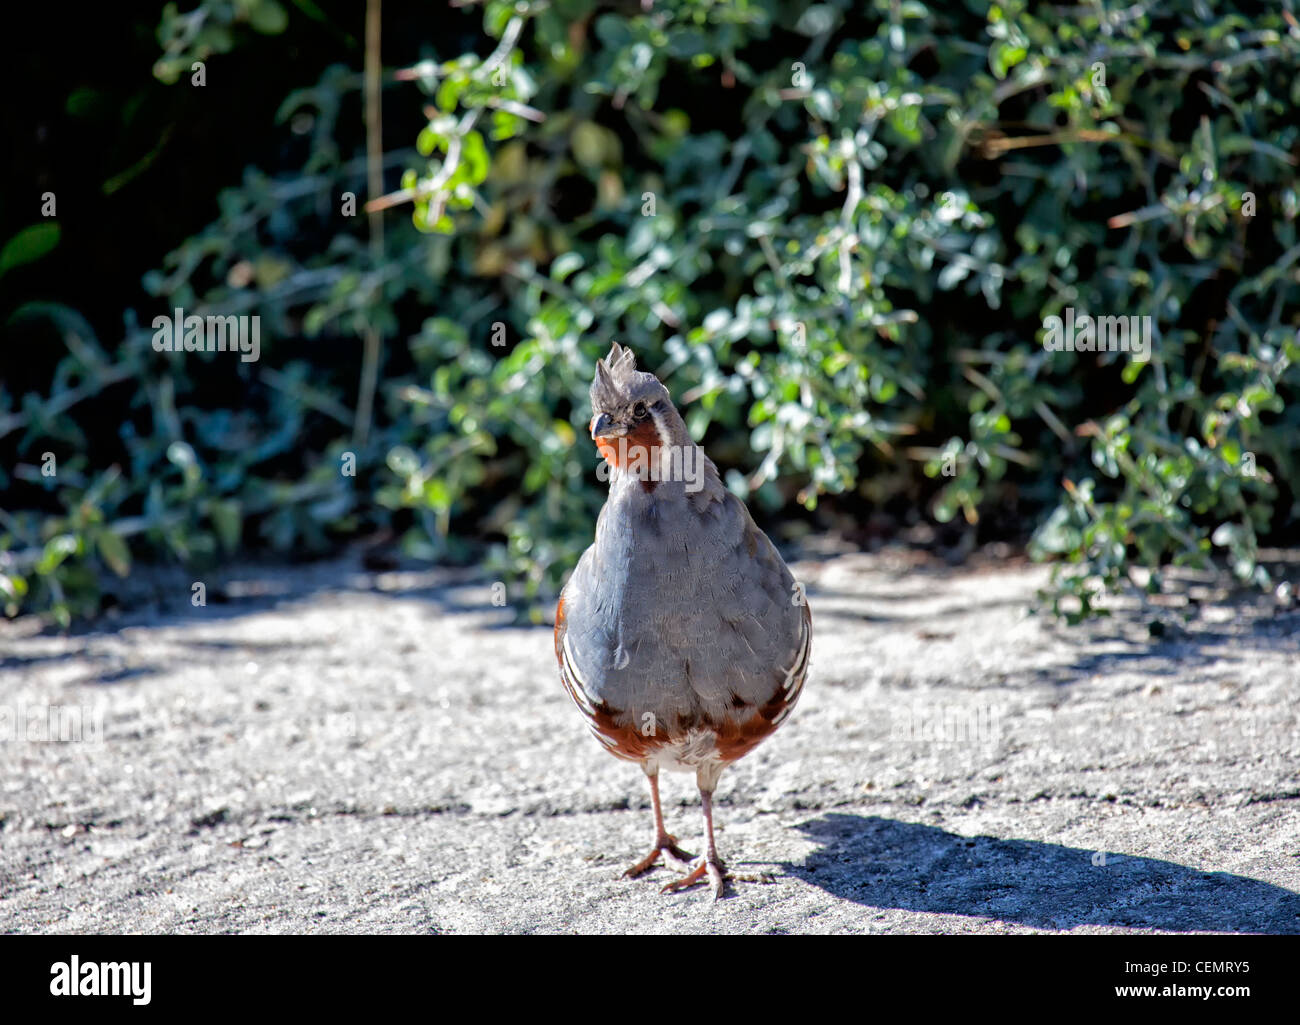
{"x": 710, "y": 864}
{"x": 665, "y": 843}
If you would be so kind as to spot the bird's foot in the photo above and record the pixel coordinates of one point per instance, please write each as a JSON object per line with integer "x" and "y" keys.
{"x": 705, "y": 866}
{"x": 673, "y": 855}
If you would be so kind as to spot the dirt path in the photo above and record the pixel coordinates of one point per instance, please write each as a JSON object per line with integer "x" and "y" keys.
{"x": 329, "y": 750}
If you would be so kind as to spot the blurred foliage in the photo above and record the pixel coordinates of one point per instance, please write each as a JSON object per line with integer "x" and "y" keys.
{"x": 836, "y": 230}
{"x": 210, "y": 29}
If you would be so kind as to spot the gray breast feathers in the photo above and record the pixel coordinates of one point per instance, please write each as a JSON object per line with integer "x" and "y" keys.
{"x": 683, "y": 611}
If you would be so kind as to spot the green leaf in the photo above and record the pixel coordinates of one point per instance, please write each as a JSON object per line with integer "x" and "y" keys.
{"x": 474, "y": 161}
{"x": 268, "y": 17}
{"x": 56, "y": 550}
{"x": 113, "y": 550}
{"x": 31, "y": 243}
{"x": 227, "y": 521}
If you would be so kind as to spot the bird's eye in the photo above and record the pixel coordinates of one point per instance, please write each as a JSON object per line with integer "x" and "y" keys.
{"x": 639, "y": 411}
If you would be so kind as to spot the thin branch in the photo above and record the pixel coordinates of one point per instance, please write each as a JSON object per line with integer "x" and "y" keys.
{"x": 65, "y": 400}
{"x": 517, "y": 108}
{"x": 436, "y": 183}
{"x": 375, "y": 183}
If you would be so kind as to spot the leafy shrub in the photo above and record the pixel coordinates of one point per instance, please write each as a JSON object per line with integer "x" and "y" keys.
{"x": 837, "y": 229}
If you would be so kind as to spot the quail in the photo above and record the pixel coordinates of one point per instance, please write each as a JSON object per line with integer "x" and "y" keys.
{"x": 681, "y": 634}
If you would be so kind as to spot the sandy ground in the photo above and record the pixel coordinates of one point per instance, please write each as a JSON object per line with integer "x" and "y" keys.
{"x": 331, "y": 750}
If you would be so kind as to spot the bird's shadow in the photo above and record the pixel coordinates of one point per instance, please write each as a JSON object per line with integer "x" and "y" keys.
{"x": 884, "y": 863}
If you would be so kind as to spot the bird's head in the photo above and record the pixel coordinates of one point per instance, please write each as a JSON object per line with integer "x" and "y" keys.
{"x": 632, "y": 416}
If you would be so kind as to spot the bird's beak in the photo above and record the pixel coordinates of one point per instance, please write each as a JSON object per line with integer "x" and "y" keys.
{"x": 603, "y": 426}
